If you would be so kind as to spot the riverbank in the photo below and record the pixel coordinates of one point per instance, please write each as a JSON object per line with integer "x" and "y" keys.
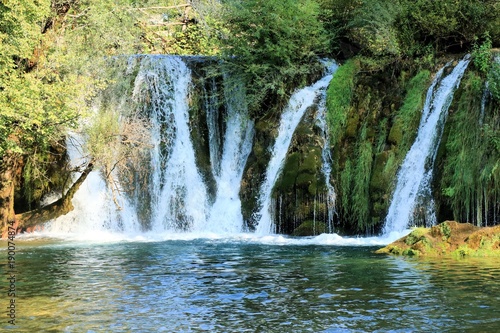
{"x": 448, "y": 239}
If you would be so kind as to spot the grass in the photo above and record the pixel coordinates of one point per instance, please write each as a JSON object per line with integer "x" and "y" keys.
{"x": 470, "y": 182}
{"x": 338, "y": 99}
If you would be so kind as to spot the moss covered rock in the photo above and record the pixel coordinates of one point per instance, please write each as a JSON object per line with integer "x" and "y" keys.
{"x": 450, "y": 239}
{"x": 310, "y": 228}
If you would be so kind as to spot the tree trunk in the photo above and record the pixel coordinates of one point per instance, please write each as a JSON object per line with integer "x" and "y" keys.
{"x": 7, "y": 185}
{"x": 36, "y": 217}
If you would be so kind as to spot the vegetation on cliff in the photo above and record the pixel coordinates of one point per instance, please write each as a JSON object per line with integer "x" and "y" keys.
{"x": 52, "y": 66}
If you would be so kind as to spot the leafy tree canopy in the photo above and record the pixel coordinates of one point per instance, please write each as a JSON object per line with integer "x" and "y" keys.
{"x": 273, "y": 44}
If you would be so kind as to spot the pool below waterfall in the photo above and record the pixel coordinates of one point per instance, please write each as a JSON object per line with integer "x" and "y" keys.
{"x": 245, "y": 284}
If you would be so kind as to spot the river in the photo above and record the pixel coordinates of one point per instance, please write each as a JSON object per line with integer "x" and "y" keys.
{"x": 244, "y": 284}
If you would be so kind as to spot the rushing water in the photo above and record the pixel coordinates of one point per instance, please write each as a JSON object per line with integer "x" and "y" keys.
{"x": 245, "y": 285}
{"x": 412, "y": 199}
{"x": 290, "y": 118}
{"x": 326, "y": 157}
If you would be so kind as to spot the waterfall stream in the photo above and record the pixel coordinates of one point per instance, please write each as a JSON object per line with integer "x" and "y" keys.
{"x": 326, "y": 165}
{"x": 175, "y": 199}
{"x": 225, "y": 214}
{"x": 290, "y": 118}
{"x": 412, "y": 197}
{"x": 179, "y": 196}
{"x": 175, "y": 196}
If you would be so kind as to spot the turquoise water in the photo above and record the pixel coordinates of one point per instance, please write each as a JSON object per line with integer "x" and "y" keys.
{"x": 226, "y": 285}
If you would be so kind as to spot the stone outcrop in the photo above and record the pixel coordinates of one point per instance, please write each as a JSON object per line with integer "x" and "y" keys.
{"x": 448, "y": 239}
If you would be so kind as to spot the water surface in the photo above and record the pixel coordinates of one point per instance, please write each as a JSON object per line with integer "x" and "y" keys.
{"x": 228, "y": 285}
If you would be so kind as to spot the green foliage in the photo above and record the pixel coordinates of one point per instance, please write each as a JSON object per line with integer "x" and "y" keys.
{"x": 274, "y": 46}
{"x": 360, "y": 200}
{"x": 43, "y": 173}
{"x": 101, "y": 135}
{"x": 178, "y": 26}
{"x": 372, "y": 27}
{"x": 51, "y": 66}
{"x": 408, "y": 116}
{"x": 446, "y": 23}
{"x": 470, "y": 181}
{"x": 354, "y": 184}
{"x": 336, "y": 15}
{"x": 481, "y": 55}
{"x": 338, "y": 99}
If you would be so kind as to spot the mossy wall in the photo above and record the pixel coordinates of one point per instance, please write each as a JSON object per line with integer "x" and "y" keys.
{"x": 266, "y": 130}
{"x": 374, "y": 115}
{"x": 468, "y": 179}
{"x": 300, "y": 193}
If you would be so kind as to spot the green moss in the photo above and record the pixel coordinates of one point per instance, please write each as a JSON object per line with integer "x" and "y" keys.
{"x": 289, "y": 175}
{"x": 411, "y": 253}
{"x": 338, "y": 99}
{"x": 445, "y": 230}
{"x": 471, "y": 155}
{"x": 311, "y": 161}
{"x": 396, "y": 133}
{"x": 418, "y": 234}
{"x": 360, "y": 199}
{"x": 352, "y": 125}
{"x": 462, "y": 252}
{"x": 378, "y": 180}
{"x": 408, "y": 116}
{"x": 310, "y": 228}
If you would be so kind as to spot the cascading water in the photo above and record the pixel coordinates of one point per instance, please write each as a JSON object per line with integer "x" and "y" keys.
{"x": 326, "y": 165}
{"x": 94, "y": 210}
{"x": 214, "y": 131}
{"x": 413, "y": 193}
{"x": 484, "y": 101}
{"x": 179, "y": 196}
{"x": 225, "y": 214}
{"x": 176, "y": 194}
{"x": 297, "y": 106}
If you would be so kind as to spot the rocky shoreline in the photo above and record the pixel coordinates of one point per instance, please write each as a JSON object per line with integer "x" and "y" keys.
{"x": 448, "y": 239}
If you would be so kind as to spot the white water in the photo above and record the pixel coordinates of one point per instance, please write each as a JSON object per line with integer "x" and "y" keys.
{"x": 326, "y": 165}
{"x": 214, "y": 131}
{"x": 297, "y": 106}
{"x": 179, "y": 196}
{"x": 484, "y": 101}
{"x": 179, "y": 199}
{"x": 94, "y": 209}
{"x": 415, "y": 175}
{"x": 225, "y": 214}
{"x": 165, "y": 81}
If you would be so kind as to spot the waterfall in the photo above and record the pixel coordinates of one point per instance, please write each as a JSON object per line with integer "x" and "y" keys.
{"x": 179, "y": 195}
{"x": 326, "y": 165}
{"x": 225, "y": 214}
{"x": 214, "y": 131}
{"x": 413, "y": 189}
{"x": 94, "y": 210}
{"x": 173, "y": 197}
{"x": 299, "y": 102}
{"x": 484, "y": 101}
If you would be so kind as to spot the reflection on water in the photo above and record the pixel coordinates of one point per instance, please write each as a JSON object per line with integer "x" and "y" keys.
{"x": 221, "y": 286}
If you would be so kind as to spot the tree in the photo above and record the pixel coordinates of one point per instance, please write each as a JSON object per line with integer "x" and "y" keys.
{"x": 274, "y": 45}
{"x": 51, "y": 66}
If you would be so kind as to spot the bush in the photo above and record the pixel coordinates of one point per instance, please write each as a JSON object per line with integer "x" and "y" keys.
{"x": 481, "y": 55}
{"x": 273, "y": 45}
